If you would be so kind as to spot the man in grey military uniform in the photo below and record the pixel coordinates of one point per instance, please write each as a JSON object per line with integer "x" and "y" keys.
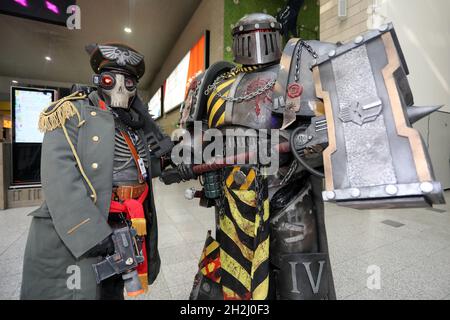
{"x": 99, "y": 149}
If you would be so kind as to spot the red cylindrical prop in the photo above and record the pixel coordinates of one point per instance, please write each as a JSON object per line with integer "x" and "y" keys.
{"x": 234, "y": 160}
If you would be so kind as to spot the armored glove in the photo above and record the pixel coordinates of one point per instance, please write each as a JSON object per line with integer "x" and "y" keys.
{"x": 175, "y": 175}
{"x": 103, "y": 248}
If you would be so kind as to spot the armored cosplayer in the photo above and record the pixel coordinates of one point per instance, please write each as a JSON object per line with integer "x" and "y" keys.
{"x": 340, "y": 120}
{"x": 96, "y": 232}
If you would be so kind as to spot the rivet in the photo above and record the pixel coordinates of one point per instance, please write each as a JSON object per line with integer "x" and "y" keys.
{"x": 95, "y": 138}
{"x": 391, "y": 189}
{"x": 383, "y": 27}
{"x": 272, "y": 25}
{"x": 332, "y": 53}
{"x": 359, "y": 39}
{"x": 356, "y": 193}
{"x": 93, "y": 113}
{"x": 426, "y": 187}
{"x": 241, "y": 28}
{"x": 257, "y": 25}
{"x": 330, "y": 195}
{"x": 94, "y": 165}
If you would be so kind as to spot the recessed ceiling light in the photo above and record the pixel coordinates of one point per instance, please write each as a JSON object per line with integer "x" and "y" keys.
{"x": 15, "y": 81}
{"x": 127, "y": 30}
{"x": 48, "y": 58}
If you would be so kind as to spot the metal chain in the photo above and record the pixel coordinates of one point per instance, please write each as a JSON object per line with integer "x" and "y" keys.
{"x": 237, "y": 70}
{"x": 297, "y": 62}
{"x": 212, "y": 87}
{"x": 310, "y": 50}
{"x": 247, "y": 97}
{"x": 294, "y": 165}
{"x": 250, "y": 95}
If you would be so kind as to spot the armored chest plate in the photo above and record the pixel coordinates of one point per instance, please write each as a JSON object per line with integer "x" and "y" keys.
{"x": 254, "y": 112}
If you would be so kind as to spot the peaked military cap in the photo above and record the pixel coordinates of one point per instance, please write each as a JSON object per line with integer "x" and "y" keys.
{"x": 115, "y": 56}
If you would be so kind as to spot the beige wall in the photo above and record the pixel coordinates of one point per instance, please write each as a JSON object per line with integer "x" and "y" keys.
{"x": 333, "y": 29}
{"x": 423, "y": 29}
{"x": 209, "y": 16}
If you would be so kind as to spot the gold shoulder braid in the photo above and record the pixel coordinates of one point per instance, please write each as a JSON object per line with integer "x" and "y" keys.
{"x": 58, "y": 112}
{"x": 55, "y": 116}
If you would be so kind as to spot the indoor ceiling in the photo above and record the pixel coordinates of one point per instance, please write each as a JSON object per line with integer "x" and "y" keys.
{"x": 155, "y": 24}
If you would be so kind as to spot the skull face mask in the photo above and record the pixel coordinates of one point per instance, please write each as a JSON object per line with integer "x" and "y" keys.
{"x": 118, "y": 89}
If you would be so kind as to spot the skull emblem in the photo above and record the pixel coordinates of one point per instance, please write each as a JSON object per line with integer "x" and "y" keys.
{"x": 118, "y": 90}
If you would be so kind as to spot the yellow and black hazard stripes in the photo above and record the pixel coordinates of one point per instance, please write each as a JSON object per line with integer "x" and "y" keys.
{"x": 216, "y": 105}
{"x": 260, "y": 266}
{"x": 244, "y": 238}
{"x": 249, "y": 183}
{"x": 209, "y": 264}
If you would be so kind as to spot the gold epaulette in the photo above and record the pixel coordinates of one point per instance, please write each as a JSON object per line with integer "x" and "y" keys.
{"x": 58, "y": 112}
{"x": 55, "y": 116}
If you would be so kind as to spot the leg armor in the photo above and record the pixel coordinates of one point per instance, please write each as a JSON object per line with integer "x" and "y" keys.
{"x": 298, "y": 249}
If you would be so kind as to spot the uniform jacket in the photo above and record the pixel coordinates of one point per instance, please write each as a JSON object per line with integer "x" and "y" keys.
{"x": 77, "y": 184}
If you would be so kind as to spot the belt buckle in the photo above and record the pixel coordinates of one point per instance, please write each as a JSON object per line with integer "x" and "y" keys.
{"x": 123, "y": 193}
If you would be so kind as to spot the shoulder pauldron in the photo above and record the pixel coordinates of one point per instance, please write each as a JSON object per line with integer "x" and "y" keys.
{"x": 295, "y": 72}
{"x": 194, "y": 108}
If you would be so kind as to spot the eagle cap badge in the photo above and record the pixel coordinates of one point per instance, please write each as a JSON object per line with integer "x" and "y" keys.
{"x": 120, "y": 56}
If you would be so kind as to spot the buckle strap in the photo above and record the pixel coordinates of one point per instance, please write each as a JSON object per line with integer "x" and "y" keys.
{"x": 134, "y": 154}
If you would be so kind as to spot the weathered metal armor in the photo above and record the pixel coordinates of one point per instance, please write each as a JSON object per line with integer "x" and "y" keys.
{"x": 253, "y": 113}
{"x": 290, "y": 200}
{"x": 316, "y": 97}
{"x": 257, "y": 40}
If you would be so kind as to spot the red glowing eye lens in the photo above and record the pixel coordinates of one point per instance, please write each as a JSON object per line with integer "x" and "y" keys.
{"x": 129, "y": 83}
{"x": 107, "y": 80}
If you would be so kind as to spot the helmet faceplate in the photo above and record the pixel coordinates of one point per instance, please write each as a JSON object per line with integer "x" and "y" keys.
{"x": 257, "y": 40}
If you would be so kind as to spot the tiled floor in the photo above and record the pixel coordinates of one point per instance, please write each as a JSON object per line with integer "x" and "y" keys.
{"x": 414, "y": 259}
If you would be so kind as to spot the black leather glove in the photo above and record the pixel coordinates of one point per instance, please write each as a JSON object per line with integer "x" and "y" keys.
{"x": 103, "y": 248}
{"x": 176, "y": 175}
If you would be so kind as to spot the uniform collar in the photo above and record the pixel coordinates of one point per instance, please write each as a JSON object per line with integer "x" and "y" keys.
{"x": 96, "y": 101}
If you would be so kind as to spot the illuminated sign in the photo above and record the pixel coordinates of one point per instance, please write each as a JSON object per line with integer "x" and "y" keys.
{"x": 193, "y": 63}
{"x": 50, "y": 11}
{"x": 7, "y": 124}
{"x": 155, "y": 105}
{"x": 27, "y": 104}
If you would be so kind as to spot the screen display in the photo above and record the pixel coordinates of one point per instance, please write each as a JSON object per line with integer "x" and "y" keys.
{"x": 193, "y": 63}
{"x": 155, "y": 105}
{"x": 176, "y": 85}
{"x": 26, "y": 163}
{"x": 50, "y": 11}
{"x": 27, "y": 104}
